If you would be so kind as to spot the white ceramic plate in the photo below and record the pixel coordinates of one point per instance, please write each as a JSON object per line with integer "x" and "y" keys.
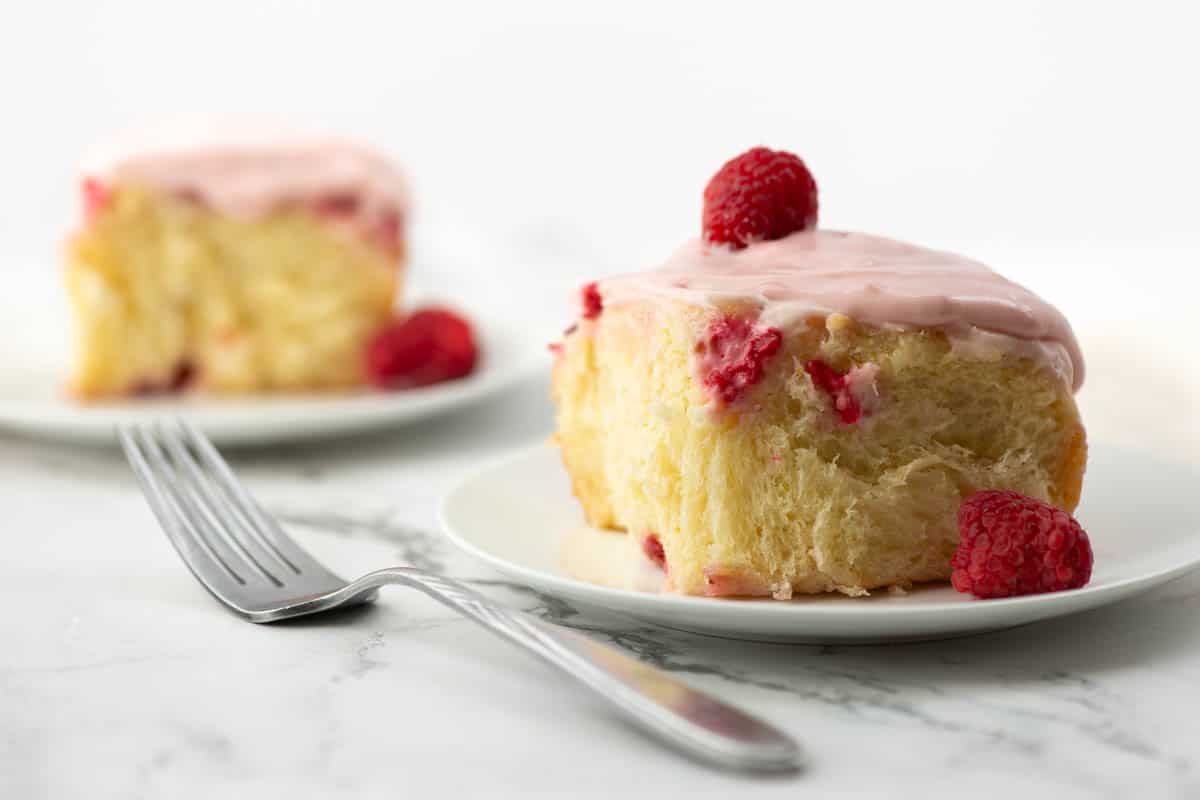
{"x": 1137, "y": 510}
{"x": 32, "y": 399}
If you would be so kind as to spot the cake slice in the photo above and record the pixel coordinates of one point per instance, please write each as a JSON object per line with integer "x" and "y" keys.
{"x": 233, "y": 262}
{"x": 780, "y": 409}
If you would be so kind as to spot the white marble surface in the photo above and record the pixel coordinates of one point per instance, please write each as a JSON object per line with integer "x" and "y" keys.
{"x": 121, "y": 678}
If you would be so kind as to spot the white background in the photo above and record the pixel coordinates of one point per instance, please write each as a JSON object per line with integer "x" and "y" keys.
{"x": 558, "y": 140}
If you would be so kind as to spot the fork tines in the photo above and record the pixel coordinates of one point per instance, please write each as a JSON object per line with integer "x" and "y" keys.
{"x": 223, "y": 535}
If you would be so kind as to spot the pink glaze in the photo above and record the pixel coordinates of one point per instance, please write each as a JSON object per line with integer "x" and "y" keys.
{"x": 250, "y": 171}
{"x": 873, "y": 280}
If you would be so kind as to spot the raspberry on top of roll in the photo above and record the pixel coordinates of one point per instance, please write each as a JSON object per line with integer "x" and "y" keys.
{"x": 759, "y": 196}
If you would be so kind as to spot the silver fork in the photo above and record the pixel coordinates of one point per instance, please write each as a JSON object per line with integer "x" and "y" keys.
{"x": 244, "y": 558}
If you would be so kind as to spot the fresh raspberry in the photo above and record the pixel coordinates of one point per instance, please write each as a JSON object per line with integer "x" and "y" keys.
{"x": 1011, "y": 544}
{"x": 837, "y": 386}
{"x": 733, "y": 355}
{"x": 95, "y": 197}
{"x": 653, "y": 548}
{"x": 430, "y": 346}
{"x": 759, "y": 196}
{"x": 593, "y": 304}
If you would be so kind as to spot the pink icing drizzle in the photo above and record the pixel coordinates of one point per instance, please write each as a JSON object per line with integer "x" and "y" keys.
{"x": 871, "y": 279}
{"x": 250, "y": 169}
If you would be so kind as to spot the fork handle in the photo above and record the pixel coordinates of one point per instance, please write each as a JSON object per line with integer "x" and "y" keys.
{"x": 696, "y": 723}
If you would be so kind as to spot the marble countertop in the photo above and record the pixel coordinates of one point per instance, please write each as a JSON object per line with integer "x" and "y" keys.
{"x": 121, "y": 678}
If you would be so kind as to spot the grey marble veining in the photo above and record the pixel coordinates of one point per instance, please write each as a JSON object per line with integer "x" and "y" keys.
{"x": 119, "y": 677}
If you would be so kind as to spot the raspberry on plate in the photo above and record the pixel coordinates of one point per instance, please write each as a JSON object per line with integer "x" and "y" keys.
{"x": 759, "y": 196}
{"x": 1015, "y": 545}
{"x": 429, "y": 346}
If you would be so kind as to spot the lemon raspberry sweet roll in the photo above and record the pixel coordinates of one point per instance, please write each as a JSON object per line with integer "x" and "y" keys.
{"x": 780, "y": 409}
{"x": 251, "y": 262}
